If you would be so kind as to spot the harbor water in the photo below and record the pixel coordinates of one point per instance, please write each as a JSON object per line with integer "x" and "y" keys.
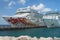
{"x": 38, "y": 32}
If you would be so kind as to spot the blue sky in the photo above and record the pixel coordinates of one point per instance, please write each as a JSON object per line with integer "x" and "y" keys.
{"x": 9, "y": 7}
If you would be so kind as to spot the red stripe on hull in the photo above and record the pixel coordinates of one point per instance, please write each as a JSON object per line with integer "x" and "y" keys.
{"x": 17, "y": 20}
{"x": 22, "y": 20}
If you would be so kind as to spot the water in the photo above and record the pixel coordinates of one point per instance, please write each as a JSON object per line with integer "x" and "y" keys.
{"x": 38, "y": 32}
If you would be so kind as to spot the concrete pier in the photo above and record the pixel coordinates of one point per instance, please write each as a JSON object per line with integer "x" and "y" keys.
{"x": 27, "y": 38}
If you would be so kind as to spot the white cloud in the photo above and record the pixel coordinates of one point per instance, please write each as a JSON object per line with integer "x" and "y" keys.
{"x": 11, "y": 4}
{"x": 38, "y": 7}
{"x": 22, "y": 1}
{"x": 34, "y": 7}
{"x": 46, "y": 9}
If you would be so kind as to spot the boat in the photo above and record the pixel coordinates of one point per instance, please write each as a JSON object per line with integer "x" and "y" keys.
{"x": 25, "y": 17}
{"x": 52, "y": 19}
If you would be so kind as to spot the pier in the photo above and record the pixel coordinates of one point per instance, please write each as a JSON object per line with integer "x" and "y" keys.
{"x": 2, "y": 28}
{"x": 27, "y": 38}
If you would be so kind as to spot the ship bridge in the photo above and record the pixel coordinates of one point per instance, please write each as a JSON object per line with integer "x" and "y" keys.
{"x": 25, "y": 10}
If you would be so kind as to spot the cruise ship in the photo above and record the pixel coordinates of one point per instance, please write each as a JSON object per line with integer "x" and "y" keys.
{"x": 52, "y": 19}
{"x": 25, "y": 17}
